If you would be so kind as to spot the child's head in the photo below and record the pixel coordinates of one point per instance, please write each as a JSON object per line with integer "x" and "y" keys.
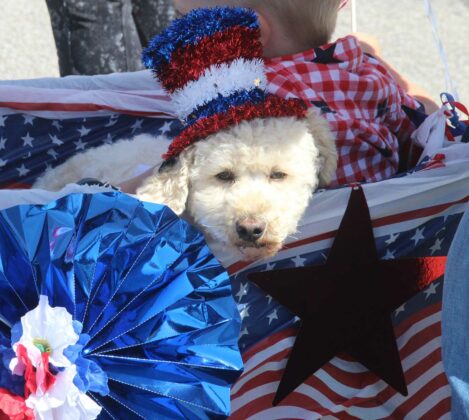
{"x": 287, "y": 26}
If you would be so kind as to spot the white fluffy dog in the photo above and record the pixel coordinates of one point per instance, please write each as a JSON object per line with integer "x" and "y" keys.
{"x": 246, "y": 187}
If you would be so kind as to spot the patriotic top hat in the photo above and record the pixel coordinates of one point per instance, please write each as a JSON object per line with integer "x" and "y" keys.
{"x": 210, "y": 63}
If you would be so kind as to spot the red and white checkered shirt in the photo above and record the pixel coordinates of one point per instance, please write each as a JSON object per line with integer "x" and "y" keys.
{"x": 360, "y": 99}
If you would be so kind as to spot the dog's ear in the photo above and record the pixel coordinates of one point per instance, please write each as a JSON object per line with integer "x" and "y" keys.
{"x": 324, "y": 140}
{"x": 170, "y": 184}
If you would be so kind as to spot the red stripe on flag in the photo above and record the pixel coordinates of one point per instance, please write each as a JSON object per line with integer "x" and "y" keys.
{"x": 357, "y": 380}
{"x": 77, "y": 107}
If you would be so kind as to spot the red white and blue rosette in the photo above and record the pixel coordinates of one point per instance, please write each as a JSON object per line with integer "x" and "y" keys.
{"x": 112, "y": 308}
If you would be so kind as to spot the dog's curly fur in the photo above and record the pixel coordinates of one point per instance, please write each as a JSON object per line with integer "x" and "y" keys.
{"x": 302, "y": 150}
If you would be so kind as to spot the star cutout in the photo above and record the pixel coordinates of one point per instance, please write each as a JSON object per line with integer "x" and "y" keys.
{"x": 418, "y": 236}
{"x": 325, "y": 56}
{"x": 3, "y": 163}
{"x": 57, "y": 125}
{"x": 83, "y": 131}
{"x": 3, "y": 141}
{"x": 27, "y": 140}
{"x": 348, "y": 302}
{"x": 28, "y": 119}
{"x": 79, "y": 145}
{"x": 392, "y": 238}
{"x": 2, "y": 120}
{"x": 22, "y": 170}
{"x": 137, "y": 125}
{"x": 56, "y": 140}
{"x": 273, "y": 315}
{"x": 166, "y": 127}
{"x": 382, "y": 108}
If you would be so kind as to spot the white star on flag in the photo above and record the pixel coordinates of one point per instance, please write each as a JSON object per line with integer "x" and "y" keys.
{"x": 299, "y": 261}
{"x": 53, "y": 153}
{"x": 3, "y": 163}
{"x": 389, "y": 255}
{"x": 28, "y": 119}
{"x": 243, "y": 332}
{"x": 392, "y": 238}
{"x": 83, "y": 131}
{"x": 22, "y": 170}
{"x": 3, "y": 140}
{"x": 112, "y": 120}
{"x": 79, "y": 145}
{"x": 418, "y": 236}
{"x": 244, "y": 313}
{"x": 56, "y": 140}
{"x": 436, "y": 246}
{"x": 2, "y": 120}
{"x": 273, "y": 315}
{"x": 166, "y": 127}
{"x": 243, "y": 290}
{"x": 108, "y": 139}
{"x": 399, "y": 310}
{"x": 269, "y": 298}
{"x": 57, "y": 125}
{"x": 27, "y": 140}
{"x": 269, "y": 266}
{"x": 137, "y": 125}
{"x": 430, "y": 290}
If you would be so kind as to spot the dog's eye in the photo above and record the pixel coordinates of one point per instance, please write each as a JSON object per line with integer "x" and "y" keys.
{"x": 278, "y": 175}
{"x": 225, "y": 176}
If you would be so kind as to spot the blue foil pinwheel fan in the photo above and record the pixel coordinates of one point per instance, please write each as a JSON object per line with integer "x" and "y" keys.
{"x": 152, "y": 308}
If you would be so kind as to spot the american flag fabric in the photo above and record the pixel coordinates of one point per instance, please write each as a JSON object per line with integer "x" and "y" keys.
{"x": 359, "y": 98}
{"x": 45, "y": 122}
{"x": 42, "y": 122}
{"x": 408, "y": 222}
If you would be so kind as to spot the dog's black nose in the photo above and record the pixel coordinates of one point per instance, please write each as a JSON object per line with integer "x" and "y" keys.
{"x": 250, "y": 230}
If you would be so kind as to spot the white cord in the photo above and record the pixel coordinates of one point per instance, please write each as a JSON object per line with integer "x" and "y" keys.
{"x": 450, "y": 85}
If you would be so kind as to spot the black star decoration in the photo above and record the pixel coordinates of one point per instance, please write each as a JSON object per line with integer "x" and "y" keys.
{"x": 325, "y": 56}
{"x": 346, "y": 304}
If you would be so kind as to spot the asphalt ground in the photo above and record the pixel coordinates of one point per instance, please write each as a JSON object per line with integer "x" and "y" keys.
{"x": 401, "y": 26}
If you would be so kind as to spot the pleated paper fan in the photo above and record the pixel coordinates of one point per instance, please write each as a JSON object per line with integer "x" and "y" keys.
{"x": 116, "y": 307}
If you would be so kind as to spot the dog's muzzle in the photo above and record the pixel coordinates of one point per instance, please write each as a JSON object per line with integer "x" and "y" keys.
{"x": 250, "y": 230}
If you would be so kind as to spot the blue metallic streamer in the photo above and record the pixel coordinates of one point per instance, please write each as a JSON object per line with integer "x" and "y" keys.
{"x": 155, "y": 303}
{"x": 222, "y": 103}
{"x": 192, "y": 28}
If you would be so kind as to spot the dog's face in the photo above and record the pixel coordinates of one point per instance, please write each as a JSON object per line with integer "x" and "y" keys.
{"x": 247, "y": 187}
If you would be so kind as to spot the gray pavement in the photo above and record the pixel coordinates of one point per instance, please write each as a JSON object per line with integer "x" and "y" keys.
{"x": 28, "y": 51}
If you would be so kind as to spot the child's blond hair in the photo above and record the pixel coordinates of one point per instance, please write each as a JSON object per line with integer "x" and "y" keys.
{"x": 309, "y": 22}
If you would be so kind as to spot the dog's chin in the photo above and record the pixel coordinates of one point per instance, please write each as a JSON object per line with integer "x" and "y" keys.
{"x": 258, "y": 251}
